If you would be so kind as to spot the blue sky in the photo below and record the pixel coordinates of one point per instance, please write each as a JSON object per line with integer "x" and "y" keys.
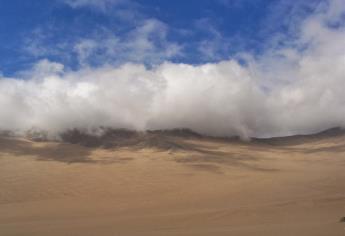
{"x": 97, "y": 32}
{"x": 251, "y": 68}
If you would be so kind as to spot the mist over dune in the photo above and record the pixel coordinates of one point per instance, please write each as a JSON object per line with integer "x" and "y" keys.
{"x": 292, "y": 89}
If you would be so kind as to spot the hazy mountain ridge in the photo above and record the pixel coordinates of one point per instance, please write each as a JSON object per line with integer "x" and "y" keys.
{"x": 161, "y": 139}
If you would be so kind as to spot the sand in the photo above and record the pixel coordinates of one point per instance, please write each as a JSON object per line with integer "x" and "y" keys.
{"x": 216, "y": 187}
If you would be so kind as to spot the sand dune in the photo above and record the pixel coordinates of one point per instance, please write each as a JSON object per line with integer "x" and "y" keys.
{"x": 165, "y": 183}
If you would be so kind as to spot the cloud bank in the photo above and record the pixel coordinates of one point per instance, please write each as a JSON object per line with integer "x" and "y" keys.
{"x": 292, "y": 89}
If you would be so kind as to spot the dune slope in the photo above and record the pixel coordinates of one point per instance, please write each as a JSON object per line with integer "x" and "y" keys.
{"x": 174, "y": 185}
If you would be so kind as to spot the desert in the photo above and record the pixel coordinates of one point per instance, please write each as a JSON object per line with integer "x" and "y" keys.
{"x": 172, "y": 118}
{"x": 176, "y": 183}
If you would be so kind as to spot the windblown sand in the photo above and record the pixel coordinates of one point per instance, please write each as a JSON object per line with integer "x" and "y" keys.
{"x": 214, "y": 187}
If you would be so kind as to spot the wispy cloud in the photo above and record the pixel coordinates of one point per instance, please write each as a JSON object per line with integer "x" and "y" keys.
{"x": 215, "y": 45}
{"x": 143, "y": 40}
{"x": 147, "y": 42}
{"x": 102, "y": 5}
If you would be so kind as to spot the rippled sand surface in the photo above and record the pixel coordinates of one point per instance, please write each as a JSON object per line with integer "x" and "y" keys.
{"x": 209, "y": 187}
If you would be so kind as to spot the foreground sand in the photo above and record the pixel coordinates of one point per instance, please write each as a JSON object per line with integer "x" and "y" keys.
{"x": 214, "y": 188}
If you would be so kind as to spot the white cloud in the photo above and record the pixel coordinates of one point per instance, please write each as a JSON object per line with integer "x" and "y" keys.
{"x": 288, "y": 90}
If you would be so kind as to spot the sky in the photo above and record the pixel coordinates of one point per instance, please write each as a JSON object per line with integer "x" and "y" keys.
{"x": 97, "y": 32}
{"x": 252, "y": 68}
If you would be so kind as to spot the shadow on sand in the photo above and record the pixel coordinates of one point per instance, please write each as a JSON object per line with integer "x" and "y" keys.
{"x": 61, "y": 152}
{"x": 77, "y": 147}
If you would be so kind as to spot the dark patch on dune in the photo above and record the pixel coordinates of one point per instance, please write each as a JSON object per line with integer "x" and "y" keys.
{"x": 108, "y": 138}
{"x": 59, "y": 152}
{"x": 36, "y": 135}
{"x": 182, "y": 133}
{"x": 342, "y": 219}
{"x": 55, "y": 151}
{"x": 175, "y": 139}
{"x": 75, "y": 146}
{"x": 115, "y": 138}
{"x": 166, "y": 139}
{"x": 300, "y": 139}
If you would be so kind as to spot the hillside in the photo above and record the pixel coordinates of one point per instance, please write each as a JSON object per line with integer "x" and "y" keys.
{"x": 172, "y": 183}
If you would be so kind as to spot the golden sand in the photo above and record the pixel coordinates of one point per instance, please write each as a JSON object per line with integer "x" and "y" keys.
{"x": 214, "y": 187}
